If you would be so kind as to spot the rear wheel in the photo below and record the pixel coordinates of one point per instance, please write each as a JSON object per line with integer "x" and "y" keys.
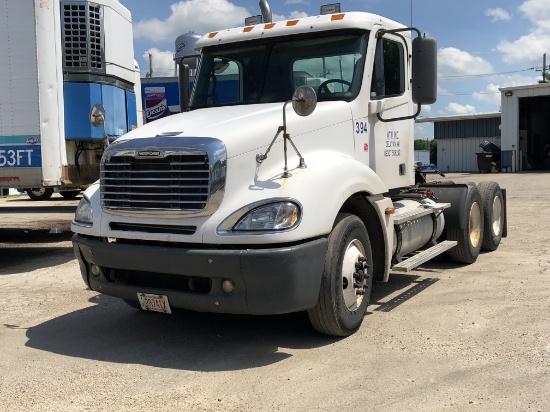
{"x": 347, "y": 280}
{"x": 493, "y": 214}
{"x": 40, "y": 193}
{"x": 470, "y": 238}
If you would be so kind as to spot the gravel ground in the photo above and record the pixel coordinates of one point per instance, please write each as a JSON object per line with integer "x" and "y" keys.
{"x": 446, "y": 338}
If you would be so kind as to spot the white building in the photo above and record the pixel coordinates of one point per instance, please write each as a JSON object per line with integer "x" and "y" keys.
{"x": 526, "y": 125}
{"x": 521, "y": 130}
{"x": 458, "y": 139}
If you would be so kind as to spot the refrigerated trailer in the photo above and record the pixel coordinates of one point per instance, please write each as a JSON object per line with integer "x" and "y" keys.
{"x": 59, "y": 58}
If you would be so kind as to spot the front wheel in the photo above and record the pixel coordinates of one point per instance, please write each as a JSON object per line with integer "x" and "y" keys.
{"x": 42, "y": 193}
{"x": 347, "y": 279}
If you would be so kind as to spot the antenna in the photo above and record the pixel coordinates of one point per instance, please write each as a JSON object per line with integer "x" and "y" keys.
{"x": 150, "y": 72}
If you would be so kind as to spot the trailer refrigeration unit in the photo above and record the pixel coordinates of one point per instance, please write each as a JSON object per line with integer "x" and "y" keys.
{"x": 59, "y": 58}
{"x": 295, "y": 195}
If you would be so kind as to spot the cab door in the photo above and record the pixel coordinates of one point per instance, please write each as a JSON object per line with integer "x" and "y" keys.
{"x": 391, "y": 146}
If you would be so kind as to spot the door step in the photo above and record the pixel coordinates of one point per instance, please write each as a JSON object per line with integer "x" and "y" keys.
{"x": 414, "y": 261}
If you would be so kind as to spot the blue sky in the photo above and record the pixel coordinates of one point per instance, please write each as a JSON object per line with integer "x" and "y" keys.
{"x": 482, "y": 44}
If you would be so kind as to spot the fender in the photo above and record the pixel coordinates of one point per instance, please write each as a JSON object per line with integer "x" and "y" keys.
{"x": 322, "y": 188}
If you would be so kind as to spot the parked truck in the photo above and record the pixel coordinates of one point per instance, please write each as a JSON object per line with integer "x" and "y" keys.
{"x": 297, "y": 193}
{"x": 59, "y": 58}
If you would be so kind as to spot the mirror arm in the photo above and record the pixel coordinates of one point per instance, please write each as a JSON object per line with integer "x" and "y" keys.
{"x": 414, "y": 116}
{"x": 382, "y": 32}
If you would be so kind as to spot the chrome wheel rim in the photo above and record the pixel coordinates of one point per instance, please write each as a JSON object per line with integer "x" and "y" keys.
{"x": 353, "y": 252}
{"x": 497, "y": 216}
{"x": 475, "y": 224}
{"x": 38, "y": 192}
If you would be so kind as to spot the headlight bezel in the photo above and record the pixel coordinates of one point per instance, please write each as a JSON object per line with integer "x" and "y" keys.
{"x": 84, "y": 215}
{"x": 230, "y": 224}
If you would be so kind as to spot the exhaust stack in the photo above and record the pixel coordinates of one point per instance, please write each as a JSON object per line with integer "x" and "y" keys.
{"x": 266, "y": 11}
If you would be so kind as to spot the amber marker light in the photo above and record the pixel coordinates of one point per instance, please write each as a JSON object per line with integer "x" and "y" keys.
{"x": 337, "y": 17}
{"x": 213, "y": 34}
{"x": 390, "y": 211}
{"x": 248, "y": 29}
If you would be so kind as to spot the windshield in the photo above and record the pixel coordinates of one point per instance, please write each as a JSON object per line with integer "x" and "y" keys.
{"x": 270, "y": 72}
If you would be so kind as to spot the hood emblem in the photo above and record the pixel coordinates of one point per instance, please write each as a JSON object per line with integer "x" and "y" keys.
{"x": 149, "y": 153}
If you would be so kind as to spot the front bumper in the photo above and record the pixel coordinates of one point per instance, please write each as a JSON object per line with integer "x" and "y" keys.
{"x": 267, "y": 281}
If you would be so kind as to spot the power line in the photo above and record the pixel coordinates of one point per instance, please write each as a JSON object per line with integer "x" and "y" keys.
{"x": 465, "y": 93}
{"x": 469, "y": 76}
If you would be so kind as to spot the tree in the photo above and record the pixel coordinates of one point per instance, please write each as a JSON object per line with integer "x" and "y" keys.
{"x": 421, "y": 144}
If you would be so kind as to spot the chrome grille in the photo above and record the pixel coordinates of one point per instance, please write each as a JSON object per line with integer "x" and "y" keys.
{"x": 175, "y": 182}
{"x": 82, "y": 36}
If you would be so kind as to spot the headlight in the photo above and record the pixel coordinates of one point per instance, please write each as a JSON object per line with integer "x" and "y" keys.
{"x": 275, "y": 216}
{"x": 84, "y": 215}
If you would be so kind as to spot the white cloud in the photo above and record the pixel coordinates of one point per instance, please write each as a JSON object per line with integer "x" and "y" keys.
{"x": 459, "y": 109}
{"x": 199, "y": 16}
{"x": 305, "y": 2}
{"x": 455, "y": 62}
{"x": 293, "y": 15}
{"x": 490, "y": 96}
{"x": 530, "y": 47}
{"x": 423, "y": 131}
{"x": 163, "y": 62}
{"x": 498, "y": 14}
{"x": 538, "y": 12}
{"x": 297, "y": 14}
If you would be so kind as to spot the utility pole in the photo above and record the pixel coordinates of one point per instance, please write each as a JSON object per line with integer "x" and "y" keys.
{"x": 544, "y": 68}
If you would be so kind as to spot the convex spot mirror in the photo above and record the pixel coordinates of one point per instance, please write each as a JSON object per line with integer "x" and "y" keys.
{"x": 424, "y": 70}
{"x": 304, "y": 100}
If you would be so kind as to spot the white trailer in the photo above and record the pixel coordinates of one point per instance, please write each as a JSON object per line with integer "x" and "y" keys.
{"x": 58, "y": 58}
{"x": 289, "y": 185}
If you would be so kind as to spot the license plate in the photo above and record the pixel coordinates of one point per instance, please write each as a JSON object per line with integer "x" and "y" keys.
{"x": 155, "y": 303}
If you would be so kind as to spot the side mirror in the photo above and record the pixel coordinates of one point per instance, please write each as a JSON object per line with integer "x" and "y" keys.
{"x": 304, "y": 100}
{"x": 424, "y": 70}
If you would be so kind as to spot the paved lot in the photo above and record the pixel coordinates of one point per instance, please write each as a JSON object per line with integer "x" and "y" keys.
{"x": 448, "y": 337}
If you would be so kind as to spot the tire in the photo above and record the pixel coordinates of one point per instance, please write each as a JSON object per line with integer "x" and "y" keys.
{"x": 40, "y": 193}
{"x": 347, "y": 279}
{"x": 493, "y": 214}
{"x": 69, "y": 194}
{"x": 133, "y": 303}
{"x": 470, "y": 237}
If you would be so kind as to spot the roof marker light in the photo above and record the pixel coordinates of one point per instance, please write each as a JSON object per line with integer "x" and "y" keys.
{"x": 292, "y": 22}
{"x": 212, "y": 35}
{"x": 337, "y": 17}
{"x": 330, "y": 8}
{"x": 248, "y": 29}
{"x": 269, "y": 26}
{"x": 252, "y": 20}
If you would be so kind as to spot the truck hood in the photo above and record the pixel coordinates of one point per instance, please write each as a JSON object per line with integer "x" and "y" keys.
{"x": 242, "y": 128}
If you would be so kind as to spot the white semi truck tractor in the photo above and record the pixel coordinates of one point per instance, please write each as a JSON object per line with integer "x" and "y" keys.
{"x": 288, "y": 185}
